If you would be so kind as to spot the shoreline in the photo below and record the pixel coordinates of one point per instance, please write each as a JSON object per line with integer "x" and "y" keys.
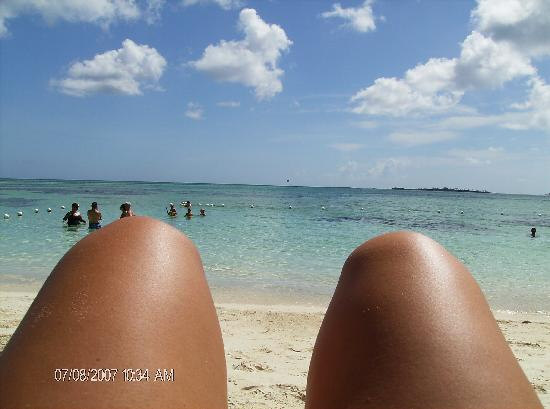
{"x": 268, "y": 346}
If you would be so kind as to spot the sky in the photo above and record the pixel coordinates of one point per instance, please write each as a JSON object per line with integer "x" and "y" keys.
{"x": 357, "y": 93}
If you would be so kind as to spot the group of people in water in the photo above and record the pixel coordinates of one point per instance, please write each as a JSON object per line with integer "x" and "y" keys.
{"x": 172, "y": 212}
{"x": 74, "y": 217}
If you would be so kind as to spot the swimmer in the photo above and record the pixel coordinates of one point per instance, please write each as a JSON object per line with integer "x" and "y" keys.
{"x": 189, "y": 213}
{"x": 202, "y": 212}
{"x": 73, "y": 217}
{"x": 407, "y": 327}
{"x": 187, "y": 204}
{"x": 94, "y": 217}
{"x": 533, "y": 232}
{"x": 172, "y": 212}
{"x": 126, "y": 209}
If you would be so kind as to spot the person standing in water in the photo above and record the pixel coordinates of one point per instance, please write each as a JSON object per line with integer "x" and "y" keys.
{"x": 73, "y": 217}
{"x": 202, "y": 212}
{"x": 533, "y": 232}
{"x": 189, "y": 213}
{"x": 94, "y": 217}
{"x": 126, "y": 209}
{"x": 172, "y": 211}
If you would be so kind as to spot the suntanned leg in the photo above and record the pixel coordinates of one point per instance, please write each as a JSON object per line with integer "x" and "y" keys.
{"x": 131, "y": 295}
{"x": 408, "y": 327}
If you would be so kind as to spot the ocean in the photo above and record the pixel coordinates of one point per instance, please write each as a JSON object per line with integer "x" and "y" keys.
{"x": 273, "y": 251}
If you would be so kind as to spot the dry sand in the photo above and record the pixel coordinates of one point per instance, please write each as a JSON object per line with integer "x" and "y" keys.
{"x": 268, "y": 348}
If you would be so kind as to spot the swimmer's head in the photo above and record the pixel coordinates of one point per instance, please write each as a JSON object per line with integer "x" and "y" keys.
{"x": 74, "y": 206}
{"x": 94, "y": 205}
{"x": 202, "y": 212}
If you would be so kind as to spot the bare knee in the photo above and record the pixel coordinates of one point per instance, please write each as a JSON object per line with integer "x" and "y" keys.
{"x": 402, "y": 270}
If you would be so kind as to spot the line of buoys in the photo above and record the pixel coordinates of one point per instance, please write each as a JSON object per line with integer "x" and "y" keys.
{"x": 6, "y": 216}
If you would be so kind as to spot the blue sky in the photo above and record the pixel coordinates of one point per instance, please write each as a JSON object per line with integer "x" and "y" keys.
{"x": 356, "y": 93}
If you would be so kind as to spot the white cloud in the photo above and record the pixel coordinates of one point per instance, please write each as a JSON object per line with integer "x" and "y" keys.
{"x": 229, "y": 104}
{"x": 123, "y": 71}
{"x": 251, "y": 61}
{"x": 537, "y": 105}
{"x": 224, "y": 4}
{"x": 486, "y": 63}
{"x": 420, "y": 138}
{"x": 194, "y": 111}
{"x": 346, "y": 147}
{"x": 439, "y": 84}
{"x": 101, "y": 12}
{"x": 359, "y": 18}
{"x": 522, "y": 23}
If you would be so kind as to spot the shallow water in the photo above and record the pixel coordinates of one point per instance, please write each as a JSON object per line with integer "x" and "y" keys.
{"x": 293, "y": 252}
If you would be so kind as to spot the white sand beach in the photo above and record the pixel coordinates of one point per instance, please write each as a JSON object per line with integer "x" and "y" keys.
{"x": 268, "y": 348}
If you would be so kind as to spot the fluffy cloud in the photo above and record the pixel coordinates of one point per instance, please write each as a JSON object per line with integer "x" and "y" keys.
{"x": 537, "y": 105}
{"x": 486, "y": 63}
{"x": 522, "y": 23}
{"x": 194, "y": 111}
{"x": 224, "y": 4}
{"x": 123, "y": 71}
{"x": 251, "y": 61}
{"x": 101, "y": 12}
{"x": 360, "y": 18}
{"x": 439, "y": 84}
{"x": 508, "y": 33}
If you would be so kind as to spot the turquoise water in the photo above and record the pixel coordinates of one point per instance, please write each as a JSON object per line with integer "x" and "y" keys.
{"x": 297, "y": 251}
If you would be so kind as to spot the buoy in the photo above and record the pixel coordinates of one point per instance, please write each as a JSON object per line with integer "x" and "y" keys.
{"x": 540, "y": 214}
{"x": 222, "y": 205}
{"x": 322, "y": 207}
{"x": 19, "y": 213}
{"x": 461, "y": 212}
{"x": 252, "y": 206}
{"x": 63, "y": 207}
{"x": 439, "y": 211}
{"x": 290, "y": 207}
{"x": 502, "y": 213}
{"x": 36, "y": 210}
{"x": 199, "y": 204}
{"x": 49, "y": 209}
{"x": 6, "y": 216}
{"x": 362, "y": 208}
